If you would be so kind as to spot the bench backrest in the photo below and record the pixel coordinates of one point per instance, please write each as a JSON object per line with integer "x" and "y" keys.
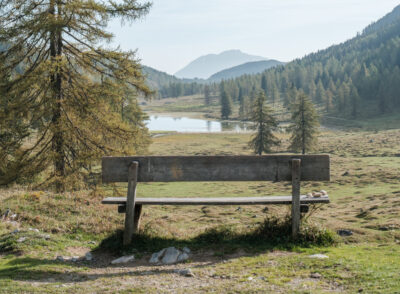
{"x": 216, "y": 168}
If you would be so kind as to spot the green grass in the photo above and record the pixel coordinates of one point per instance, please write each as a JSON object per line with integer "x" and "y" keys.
{"x": 229, "y": 244}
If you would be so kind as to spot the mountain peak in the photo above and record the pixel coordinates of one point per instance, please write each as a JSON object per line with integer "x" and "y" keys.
{"x": 205, "y": 66}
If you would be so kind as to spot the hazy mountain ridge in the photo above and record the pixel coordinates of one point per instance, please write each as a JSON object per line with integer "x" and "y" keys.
{"x": 248, "y": 68}
{"x": 207, "y": 65}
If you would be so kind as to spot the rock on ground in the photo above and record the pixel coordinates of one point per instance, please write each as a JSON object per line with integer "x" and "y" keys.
{"x": 123, "y": 259}
{"x": 344, "y": 233}
{"x": 88, "y": 256}
{"x": 186, "y": 272}
{"x": 318, "y": 256}
{"x": 170, "y": 255}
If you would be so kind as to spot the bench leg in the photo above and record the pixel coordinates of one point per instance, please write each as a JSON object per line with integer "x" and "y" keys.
{"x": 130, "y": 203}
{"x": 295, "y": 197}
{"x": 136, "y": 220}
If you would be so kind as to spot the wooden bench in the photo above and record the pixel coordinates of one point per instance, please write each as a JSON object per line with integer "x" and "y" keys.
{"x": 294, "y": 168}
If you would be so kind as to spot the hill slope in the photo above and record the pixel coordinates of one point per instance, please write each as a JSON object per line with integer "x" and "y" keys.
{"x": 204, "y": 66}
{"x": 248, "y": 68}
{"x": 357, "y": 78}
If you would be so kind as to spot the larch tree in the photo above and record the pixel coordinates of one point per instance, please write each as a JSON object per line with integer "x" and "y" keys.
{"x": 264, "y": 124}
{"x": 304, "y": 127}
{"x": 72, "y": 98}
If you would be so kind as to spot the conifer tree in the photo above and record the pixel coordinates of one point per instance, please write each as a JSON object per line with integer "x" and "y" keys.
{"x": 207, "y": 95}
{"x": 264, "y": 124}
{"x": 264, "y": 83}
{"x": 66, "y": 88}
{"x": 244, "y": 107}
{"x": 226, "y": 105}
{"x": 304, "y": 127}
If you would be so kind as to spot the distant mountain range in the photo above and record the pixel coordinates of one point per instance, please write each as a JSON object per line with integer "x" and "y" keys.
{"x": 248, "y": 68}
{"x": 158, "y": 79}
{"x": 205, "y": 66}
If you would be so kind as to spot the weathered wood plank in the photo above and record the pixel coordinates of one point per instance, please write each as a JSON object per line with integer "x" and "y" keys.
{"x": 264, "y": 200}
{"x": 136, "y": 218}
{"x": 216, "y": 168}
{"x": 296, "y": 164}
{"x": 130, "y": 202}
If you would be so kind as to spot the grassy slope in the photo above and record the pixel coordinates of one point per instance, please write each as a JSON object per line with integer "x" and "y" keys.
{"x": 366, "y": 201}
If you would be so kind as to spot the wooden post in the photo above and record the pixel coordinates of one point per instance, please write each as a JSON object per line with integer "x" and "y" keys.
{"x": 136, "y": 219}
{"x": 130, "y": 202}
{"x": 295, "y": 197}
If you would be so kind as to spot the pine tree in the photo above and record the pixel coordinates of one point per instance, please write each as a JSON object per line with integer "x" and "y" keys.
{"x": 264, "y": 124}
{"x": 355, "y": 102}
{"x": 207, "y": 95}
{"x": 304, "y": 127}
{"x": 226, "y": 105}
{"x": 67, "y": 88}
{"x": 244, "y": 107}
{"x": 264, "y": 83}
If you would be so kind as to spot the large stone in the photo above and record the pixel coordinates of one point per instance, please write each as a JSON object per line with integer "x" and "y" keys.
{"x": 170, "y": 255}
{"x": 123, "y": 259}
{"x": 155, "y": 257}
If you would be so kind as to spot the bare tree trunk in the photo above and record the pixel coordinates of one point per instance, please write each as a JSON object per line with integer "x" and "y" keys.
{"x": 56, "y": 80}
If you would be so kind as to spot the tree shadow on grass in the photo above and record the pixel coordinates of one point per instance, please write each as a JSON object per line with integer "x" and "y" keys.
{"x": 273, "y": 234}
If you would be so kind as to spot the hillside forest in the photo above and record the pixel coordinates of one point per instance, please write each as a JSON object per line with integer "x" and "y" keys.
{"x": 358, "y": 78}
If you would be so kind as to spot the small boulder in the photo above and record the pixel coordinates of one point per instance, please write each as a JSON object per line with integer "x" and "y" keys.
{"x": 46, "y": 236}
{"x": 60, "y": 258}
{"x": 318, "y": 256}
{"x": 186, "y": 250}
{"x": 182, "y": 257}
{"x": 22, "y": 239}
{"x": 186, "y": 272}
{"x": 171, "y": 255}
{"x": 344, "y": 233}
{"x": 15, "y": 231}
{"x": 316, "y": 276}
{"x": 74, "y": 258}
{"x": 88, "y": 256}
{"x": 155, "y": 257}
{"x": 123, "y": 259}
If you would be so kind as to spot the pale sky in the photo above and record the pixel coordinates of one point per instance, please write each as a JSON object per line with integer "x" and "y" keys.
{"x": 176, "y": 32}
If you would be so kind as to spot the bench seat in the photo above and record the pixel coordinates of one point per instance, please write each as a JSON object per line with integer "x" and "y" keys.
{"x": 240, "y": 168}
{"x": 271, "y": 200}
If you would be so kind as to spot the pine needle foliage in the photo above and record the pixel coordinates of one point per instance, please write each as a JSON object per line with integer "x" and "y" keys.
{"x": 305, "y": 124}
{"x": 67, "y": 98}
{"x": 226, "y": 105}
{"x": 264, "y": 124}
